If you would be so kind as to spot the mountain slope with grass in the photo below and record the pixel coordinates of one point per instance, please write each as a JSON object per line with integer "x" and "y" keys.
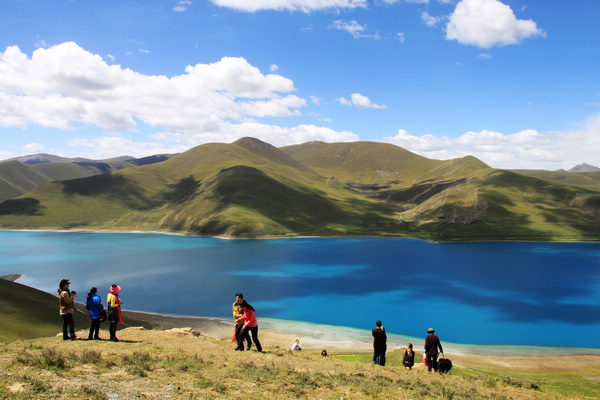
{"x": 23, "y": 174}
{"x": 251, "y": 189}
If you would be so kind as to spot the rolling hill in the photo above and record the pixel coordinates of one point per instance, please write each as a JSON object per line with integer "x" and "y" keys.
{"x": 250, "y": 188}
{"x": 22, "y": 174}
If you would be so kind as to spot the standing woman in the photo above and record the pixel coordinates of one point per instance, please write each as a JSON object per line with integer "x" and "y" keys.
{"x": 250, "y": 323}
{"x": 94, "y": 305}
{"x": 65, "y": 309}
{"x": 114, "y": 311}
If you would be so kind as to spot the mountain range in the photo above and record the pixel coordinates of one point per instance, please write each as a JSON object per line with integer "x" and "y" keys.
{"x": 250, "y": 188}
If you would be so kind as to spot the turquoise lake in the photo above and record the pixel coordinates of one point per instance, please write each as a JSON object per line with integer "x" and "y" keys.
{"x": 480, "y": 293}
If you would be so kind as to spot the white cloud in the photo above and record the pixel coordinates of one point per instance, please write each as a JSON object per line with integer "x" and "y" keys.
{"x": 65, "y": 85}
{"x": 401, "y": 37}
{"x": 174, "y": 142}
{"x": 33, "y": 147}
{"x": 488, "y": 23}
{"x": 110, "y": 57}
{"x": 525, "y": 149}
{"x": 355, "y": 29}
{"x": 182, "y": 5}
{"x": 361, "y": 101}
{"x": 316, "y": 100}
{"x": 430, "y": 20}
{"x": 273, "y": 67}
{"x": 485, "y": 56}
{"x": 145, "y": 51}
{"x": 290, "y": 5}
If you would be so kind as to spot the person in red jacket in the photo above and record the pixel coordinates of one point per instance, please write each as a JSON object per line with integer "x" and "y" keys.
{"x": 432, "y": 344}
{"x": 250, "y": 324}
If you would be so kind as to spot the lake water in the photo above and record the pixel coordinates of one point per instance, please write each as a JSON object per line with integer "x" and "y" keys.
{"x": 480, "y": 293}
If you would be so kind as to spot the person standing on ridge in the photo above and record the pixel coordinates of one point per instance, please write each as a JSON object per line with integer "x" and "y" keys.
{"x": 94, "y": 305}
{"x": 432, "y": 344}
{"x": 66, "y": 304}
{"x": 250, "y": 324}
{"x": 238, "y": 312}
{"x": 114, "y": 311}
{"x": 379, "y": 344}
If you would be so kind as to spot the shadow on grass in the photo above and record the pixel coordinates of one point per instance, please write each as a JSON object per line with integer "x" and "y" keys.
{"x": 26, "y": 206}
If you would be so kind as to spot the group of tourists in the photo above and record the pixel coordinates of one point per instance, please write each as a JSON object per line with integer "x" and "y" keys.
{"x": 430, "y": 356}
{"x": 245, "y": 324}
{"x": 66, "y": 305}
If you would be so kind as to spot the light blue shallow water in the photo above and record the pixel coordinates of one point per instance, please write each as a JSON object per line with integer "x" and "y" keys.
{"x": 480, "y": 293}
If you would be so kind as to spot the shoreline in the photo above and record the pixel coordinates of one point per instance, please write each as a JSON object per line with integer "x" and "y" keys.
{"x": 270, "y": 237}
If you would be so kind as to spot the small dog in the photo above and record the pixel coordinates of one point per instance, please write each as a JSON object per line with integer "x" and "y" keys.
{"x": 444, "y": 365}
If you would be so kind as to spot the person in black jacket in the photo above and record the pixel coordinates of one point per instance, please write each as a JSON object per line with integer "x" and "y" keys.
{"x": 432, "y": 343}
{"x": 379, "y": 344}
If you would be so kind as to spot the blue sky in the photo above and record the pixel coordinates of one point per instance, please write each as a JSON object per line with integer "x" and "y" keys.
{"x": 514, "y": 83}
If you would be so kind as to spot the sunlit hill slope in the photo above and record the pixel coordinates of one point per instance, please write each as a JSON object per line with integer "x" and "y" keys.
{"x": 250, "y": 188}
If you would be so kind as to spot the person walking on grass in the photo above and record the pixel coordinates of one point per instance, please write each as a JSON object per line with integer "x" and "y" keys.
{"x": 66, "y": 303}
{"x": 114, "y": 310}
{"x": 238, "y": 312}
{"x": 94, "y": 305}
{"x": 250, "y": 324}
{"x": 432, "y": 344}
{"x": 379, "y": 344}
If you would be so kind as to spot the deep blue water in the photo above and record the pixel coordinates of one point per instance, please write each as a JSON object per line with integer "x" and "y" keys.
{"x": 482, "y": 293}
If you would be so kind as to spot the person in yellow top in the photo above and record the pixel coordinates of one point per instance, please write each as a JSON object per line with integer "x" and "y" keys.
{"x": 114, "y": 311}
{"x": 239, "y": 323}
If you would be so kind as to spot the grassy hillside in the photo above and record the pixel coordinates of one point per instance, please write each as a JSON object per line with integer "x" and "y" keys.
{"x": 586, "y": 180}
{"x": 250, "y": 188}
{"x": 17, "y": 177}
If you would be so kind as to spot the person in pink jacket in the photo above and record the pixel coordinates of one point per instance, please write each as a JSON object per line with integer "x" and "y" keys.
{"x": 250, "y": 323}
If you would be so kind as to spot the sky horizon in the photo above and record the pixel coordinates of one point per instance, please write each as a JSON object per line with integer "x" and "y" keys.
{"x": 514, "y": 83}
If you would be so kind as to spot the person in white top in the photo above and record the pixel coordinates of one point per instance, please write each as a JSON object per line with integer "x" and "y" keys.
{"x": 296, "y": 345}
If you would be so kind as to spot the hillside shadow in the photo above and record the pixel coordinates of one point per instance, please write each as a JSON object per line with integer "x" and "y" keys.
{"x": 114, "y": 187}
{"x": 418, "y": 193}
{"x": 181, "y": 191}
{"x": 26, "y": 206}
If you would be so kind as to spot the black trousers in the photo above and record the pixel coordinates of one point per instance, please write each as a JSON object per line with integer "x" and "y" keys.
{"x": 240, "y": 336}
{"x": 94, "y": 329}
{"x": 68, "y": 327}
{"x": 379, "y": 357}
{"x": 432, "y": 362}
{"x": 254, "y": 331}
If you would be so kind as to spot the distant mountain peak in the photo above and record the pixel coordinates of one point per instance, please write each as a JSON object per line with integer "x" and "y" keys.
{"x": 584, "y": 168}
{"x": 269, "y": 151}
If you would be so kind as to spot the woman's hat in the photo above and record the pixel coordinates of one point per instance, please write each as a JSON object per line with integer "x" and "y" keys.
{"x": 114, "y": 289}
{"x": 430, "y": 330}
{"x": 63, "y": 282}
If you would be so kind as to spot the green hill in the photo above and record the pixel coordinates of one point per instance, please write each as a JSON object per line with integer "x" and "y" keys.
{"x": 250, "y": 188}
{"x": 18, "y": 177}
{"x": 586, "y": 180}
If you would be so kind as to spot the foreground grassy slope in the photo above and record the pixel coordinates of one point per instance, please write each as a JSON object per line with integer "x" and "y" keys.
{"x": 183, "y": 364}
{"x": 250, "y": 188}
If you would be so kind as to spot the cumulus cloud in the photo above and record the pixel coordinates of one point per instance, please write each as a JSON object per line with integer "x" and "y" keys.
{"x": 430, "y": 20}
{"x": 361, "y": 101}
{"x": 33, "y": 147}
{"x": 273, "y": 67}
{"x": 290, "y": 5}
{"x": 525, "y": 149}
{"x": 488, "y": 23}
{"x": 67, "y": 87}
{"x": 65, "y": 84}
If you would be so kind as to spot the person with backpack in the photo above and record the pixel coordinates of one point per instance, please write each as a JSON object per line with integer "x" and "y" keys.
{"x": 66, "y": 304}
{"x": 432, "y": 344}
{"x": 95, "y": 307}
{"x": 114, "y": 310}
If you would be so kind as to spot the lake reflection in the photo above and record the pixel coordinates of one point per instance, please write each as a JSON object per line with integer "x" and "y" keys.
{"x": 484, "y": 293}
